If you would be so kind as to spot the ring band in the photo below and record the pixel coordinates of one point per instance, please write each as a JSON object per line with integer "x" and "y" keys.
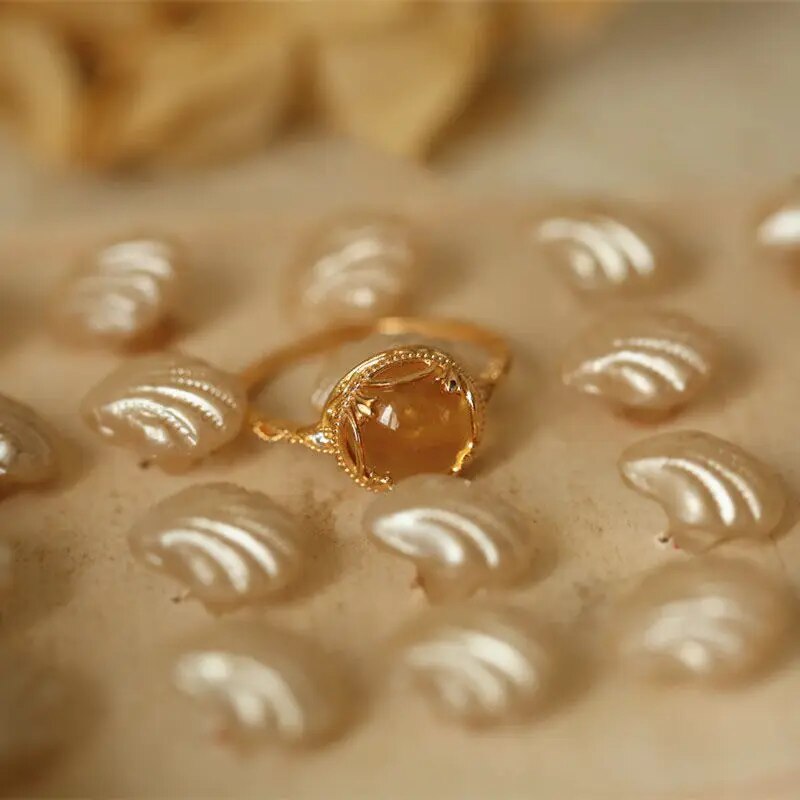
{"x": 409, "y": 409}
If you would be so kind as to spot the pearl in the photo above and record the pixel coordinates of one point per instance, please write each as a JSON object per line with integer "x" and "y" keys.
{"x": 226, "y": 545}
{"x": 356, "y": 267}
{"x": 708, "y": 620}
{"x": 170, "y": 408}
{"x": 460, "y": 537}
{"x": 122, "y": 294}
{"x": 710, "y": 489}
{"x": 262, "y": 685}
{"x": 778, "y": 229}
{"x": 27, "y": 446}
{"x": 640, "y": 361}
{"x": 601, "y": 251}
{"x": 481, "y": 665}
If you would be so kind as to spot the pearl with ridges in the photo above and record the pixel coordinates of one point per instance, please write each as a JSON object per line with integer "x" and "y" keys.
{"x": 705, "y": 620}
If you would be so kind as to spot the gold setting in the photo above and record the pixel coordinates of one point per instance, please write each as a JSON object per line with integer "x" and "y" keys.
{"x": 351, "y": 403}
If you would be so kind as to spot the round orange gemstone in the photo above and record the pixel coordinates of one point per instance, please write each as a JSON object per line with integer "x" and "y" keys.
{"x": 412, "y": 418}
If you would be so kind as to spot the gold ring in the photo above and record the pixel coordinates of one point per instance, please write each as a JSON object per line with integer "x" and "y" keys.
{"x": 407, "y": 410}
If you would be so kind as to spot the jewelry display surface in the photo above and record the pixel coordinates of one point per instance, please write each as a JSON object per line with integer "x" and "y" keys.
{"x": 720, "y": 118}
{"x": 79, "y": 596}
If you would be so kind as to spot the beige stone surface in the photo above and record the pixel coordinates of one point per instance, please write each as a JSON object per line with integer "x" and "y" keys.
{"x": 689, "y": 103}
{"x": 83, "y": 602}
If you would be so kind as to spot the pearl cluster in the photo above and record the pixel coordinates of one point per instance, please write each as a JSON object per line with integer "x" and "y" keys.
{"x": 478, "y": 659}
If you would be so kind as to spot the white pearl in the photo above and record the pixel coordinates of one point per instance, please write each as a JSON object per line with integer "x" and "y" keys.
{"x": 642, "y": 361}
{"x": 710, "y": 489}
{"x": 228, "y": 546}
{"x": 707, "y": 620}
{"x": 481, "y": 665}
{"x": 356, "y": 267}
{"x": 263, "y": 685}
{"x": 122, "y": 294}
{"x": 460, "y": 537}
{"x": 170, "y": 408}
{"x": 601, "y": 251}
{"x": 27, "y": 446}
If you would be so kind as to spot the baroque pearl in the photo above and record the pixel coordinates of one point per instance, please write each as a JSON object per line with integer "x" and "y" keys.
{"x": 263, "y": 685}
{"x": 481, "y": 665}
{"x": 705, "y": 620}
{"x": 27, "y": 446}
{"x": 710, "y": 489}
{"x": 652, "y": 362}
{"x": 36, "y": 706}
{"x": 460, "y": 537}
{"x": 356, "y": 267}
{"x": 171, "y": 408}
{"x": 778, "y": 230}
{"x": 122, "y": 294}
{"x": 228, "y": 546}
{"x": 601, "y": 251}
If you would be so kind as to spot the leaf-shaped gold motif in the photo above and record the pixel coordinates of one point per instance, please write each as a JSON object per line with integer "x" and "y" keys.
{"x": 228, "y": 546}
{"x": 401, "y": 375}
{"x": 172, "y": 408}
{"x": 710, "y": 489}
{"x": 644, "y": 361}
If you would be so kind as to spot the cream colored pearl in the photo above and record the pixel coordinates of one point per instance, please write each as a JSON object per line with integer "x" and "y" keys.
{"x": 710, "y": 489}
{"x": 481, "y": 665}
{"x": 228, "y": 546}
{"x": 261, "y": 685}
{"x": 122, "y": 294}
{"x": 356, "y": 267}
{"x": 642, "y": 361}
{"x": 778, "y": 229}
{"x": 170, "y": 408}
{"x": 707, "y": 620}
{"x": 460, "y": 537}
{"x": 600, "y": 251}
{"x": 27, "y": 446}
{"x": 37, "y": 705}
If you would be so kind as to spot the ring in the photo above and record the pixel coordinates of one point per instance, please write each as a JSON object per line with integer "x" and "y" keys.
{"x": 409, "y": 409}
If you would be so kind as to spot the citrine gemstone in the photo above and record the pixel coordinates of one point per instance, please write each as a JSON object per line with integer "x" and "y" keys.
{"x": 413, "y": 419}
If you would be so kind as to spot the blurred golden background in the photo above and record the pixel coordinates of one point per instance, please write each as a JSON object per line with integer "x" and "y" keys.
{"x": 120, "y": 85}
